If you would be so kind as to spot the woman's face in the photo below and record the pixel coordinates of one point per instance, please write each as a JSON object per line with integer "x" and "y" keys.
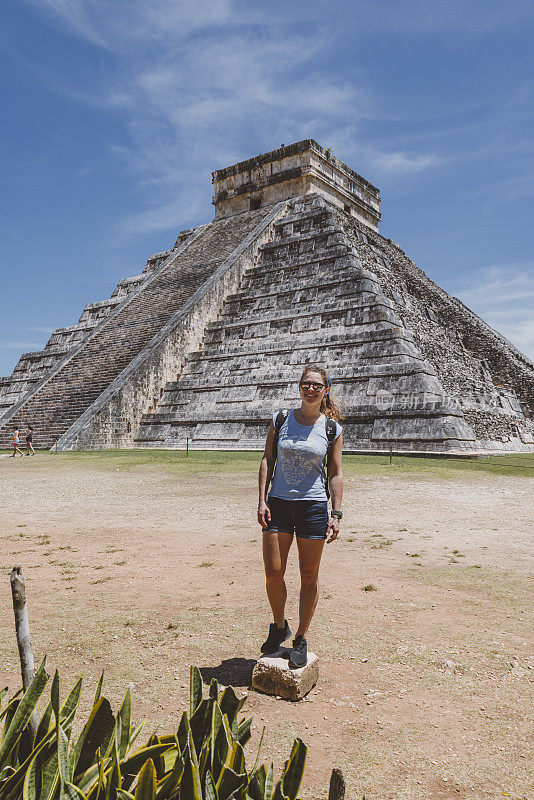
{"x": 312, "y": 388}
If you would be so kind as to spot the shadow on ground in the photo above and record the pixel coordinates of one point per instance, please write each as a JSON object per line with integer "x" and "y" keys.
{"x": 230, "y": 672}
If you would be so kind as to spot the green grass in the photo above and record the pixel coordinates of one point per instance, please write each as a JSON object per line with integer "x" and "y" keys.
{"x": 205, "y": 461}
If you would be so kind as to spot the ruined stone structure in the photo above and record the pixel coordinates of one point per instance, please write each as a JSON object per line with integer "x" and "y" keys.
{"x": 211, "y": 337}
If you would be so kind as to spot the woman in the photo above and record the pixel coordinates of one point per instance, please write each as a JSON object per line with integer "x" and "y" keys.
{"x": 297, "y": 503}
{"x": 29, "y": 440}
{"x": 15, "y": 442}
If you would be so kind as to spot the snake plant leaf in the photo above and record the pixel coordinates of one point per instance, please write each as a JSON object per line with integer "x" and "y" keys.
{"x": 70, "y": 706}
{"x": 243, "y": 731}
{"x": 200, "y": 722}
{"x": 135, "y": 734}
{"x": 74, "y": 793}
{"x": 54, "y": 694}
{"x": 223, "y": 747}
{"x": 168, "y": 786}
{"x": 87, "y": 780}
{"x": 183, "y": 729}
{"x": 210, "y": 792}
{"x": 50, "y": 778}
{"x": 229, "y": 782}
{"x": 146, "y": 785}
{"x": 29, "y": 787}
{"x": 63, "y": 756}
{"x": 231, "y": 704}
{"x": 294, "y": 770}
{"x": 195, "y": 689}
{"x": 130, "y": 766}
{"x": 95, "y": 734}
{"x": 3, "y": 693}
{"x": 23, "y": 713}
{"x": 279, "y": 792}
{"x": 98, "y": 690}
{"x": 269, "y": 783}
{"x": 238, "y": 759}
{"x": 125, "y": 716}
{"x": 214, "y": 689}
{"x": 159, "y": 760}
{"x": 256, "y": 784}
{"x": 114, "y": 777}
{"x": 122, "y": 794}
{"x": 216, "y": 722}
{"x": 10, "y": 788}
{"x": 14, "y": 700}
{"x": 44, "y": 725}
{"x": 190, "y": 786}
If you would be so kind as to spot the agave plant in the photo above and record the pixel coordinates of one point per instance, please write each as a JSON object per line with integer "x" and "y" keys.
{"x": 204, "y": 760}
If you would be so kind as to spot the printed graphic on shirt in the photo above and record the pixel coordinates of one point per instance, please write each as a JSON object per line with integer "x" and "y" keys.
{"x": 298, "y": 458}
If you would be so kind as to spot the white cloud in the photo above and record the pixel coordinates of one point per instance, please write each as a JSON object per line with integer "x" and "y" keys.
{"x": 504, "y": 297}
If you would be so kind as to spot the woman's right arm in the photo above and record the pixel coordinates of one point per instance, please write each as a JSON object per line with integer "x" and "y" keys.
{"x": 264, "y": 478}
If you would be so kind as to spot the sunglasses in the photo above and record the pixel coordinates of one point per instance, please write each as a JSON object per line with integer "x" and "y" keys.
{"x": 307, "y": 385}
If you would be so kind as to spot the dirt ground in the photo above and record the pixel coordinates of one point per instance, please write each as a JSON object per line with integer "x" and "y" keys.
{"x": 143, "y": 568}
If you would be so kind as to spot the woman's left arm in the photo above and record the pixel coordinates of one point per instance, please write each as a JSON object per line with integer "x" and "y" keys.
{"x": 335, "y": 479}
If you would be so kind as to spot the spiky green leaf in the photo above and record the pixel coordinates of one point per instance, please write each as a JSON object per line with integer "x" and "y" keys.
{"x": 23, "y": 713}
{"x": 294, "y": 770}
{"x": 168, "y": 786}
{"x": 231, "y": 704}
{"x": 190, "y": 785}
{"x": 98, "y": 690}
{"x": 125, "y": 716}
{"x": 256, "y": 785}
{"x": 195, "y": 689}
{"x": 95, "y": 735}
{"x": 146, "y": 785}
{"x": 243, "y": 731}
{"x": 210, "y": 792}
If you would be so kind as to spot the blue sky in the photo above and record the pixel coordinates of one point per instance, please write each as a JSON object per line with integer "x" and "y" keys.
{"x": 115, "y": 114}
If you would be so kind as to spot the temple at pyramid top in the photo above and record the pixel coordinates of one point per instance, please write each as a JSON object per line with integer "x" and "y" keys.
{"x": 290, "y": 171}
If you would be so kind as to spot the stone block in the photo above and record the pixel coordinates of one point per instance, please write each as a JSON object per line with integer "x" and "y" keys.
{"x": 273, "y": 675}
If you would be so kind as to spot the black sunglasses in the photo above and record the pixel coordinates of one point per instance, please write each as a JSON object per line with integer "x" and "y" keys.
{"x": 306, "y": 385}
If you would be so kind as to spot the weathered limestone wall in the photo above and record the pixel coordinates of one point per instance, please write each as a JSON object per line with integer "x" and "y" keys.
{"x": 113, "y": 421}
{"x": 482, "y": 373}
{"x": 35, "y": 366}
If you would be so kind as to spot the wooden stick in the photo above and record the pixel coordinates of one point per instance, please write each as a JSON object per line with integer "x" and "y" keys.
{"x": 337, "y": 785}
{"x": 22, "y": 628}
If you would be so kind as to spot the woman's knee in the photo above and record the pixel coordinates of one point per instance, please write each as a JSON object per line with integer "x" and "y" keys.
{"x": 309, "y": 575}
{"x": 274, "y": 574}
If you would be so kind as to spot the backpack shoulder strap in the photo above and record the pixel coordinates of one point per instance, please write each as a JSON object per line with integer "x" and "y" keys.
{"x": 280, "y": 418}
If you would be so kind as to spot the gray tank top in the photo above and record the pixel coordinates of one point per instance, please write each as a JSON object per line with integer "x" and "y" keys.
{"x": 299, "y": 473}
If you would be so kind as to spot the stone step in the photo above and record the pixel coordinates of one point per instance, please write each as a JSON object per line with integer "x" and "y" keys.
{"x": 126, "y": 332}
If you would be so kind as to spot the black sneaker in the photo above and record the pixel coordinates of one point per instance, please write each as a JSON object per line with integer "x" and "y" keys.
{"x": 275, "y": 638}
{"x": 298, "y": 656}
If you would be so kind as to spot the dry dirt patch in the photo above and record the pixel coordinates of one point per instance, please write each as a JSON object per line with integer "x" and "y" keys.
{"x": 144, "y": 568}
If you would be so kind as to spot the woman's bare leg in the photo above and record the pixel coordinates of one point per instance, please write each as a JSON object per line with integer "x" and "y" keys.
{"x": 310, "y": 551}
{"x": 275, "y": 551}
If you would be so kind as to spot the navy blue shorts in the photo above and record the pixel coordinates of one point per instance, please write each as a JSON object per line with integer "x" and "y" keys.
{"x": 307, "y": 518}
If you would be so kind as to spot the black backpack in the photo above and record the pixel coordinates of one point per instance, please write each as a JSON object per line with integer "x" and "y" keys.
{"x": 331, "y": 429}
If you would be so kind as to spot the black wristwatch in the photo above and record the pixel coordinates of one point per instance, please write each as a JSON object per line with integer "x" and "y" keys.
{"x": 338, "y": 514}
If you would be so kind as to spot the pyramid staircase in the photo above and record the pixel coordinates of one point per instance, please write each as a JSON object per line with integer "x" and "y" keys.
{"x": 309, "y": 298}
{"x": 105, "y": 349}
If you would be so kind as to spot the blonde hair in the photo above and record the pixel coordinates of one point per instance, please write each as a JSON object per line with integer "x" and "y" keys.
{"x": 328, "y": 407}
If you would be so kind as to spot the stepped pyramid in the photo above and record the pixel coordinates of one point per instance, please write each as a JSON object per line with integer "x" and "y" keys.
{"x": 211, "y": 337}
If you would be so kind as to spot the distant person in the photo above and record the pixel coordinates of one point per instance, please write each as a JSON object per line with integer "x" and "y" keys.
{"x": 301, "y": 442}
{"x": 29, "y": 440}
{"x": 15, "y": 442}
